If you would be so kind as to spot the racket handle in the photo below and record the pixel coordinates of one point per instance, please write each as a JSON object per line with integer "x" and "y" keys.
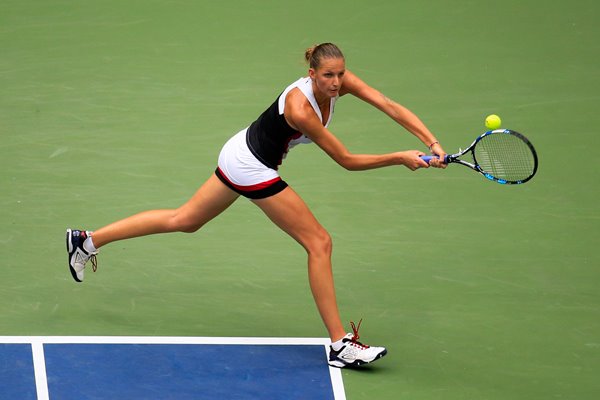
{"x": 428, "y": 159}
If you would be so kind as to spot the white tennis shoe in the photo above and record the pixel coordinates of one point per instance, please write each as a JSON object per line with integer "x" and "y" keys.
{"x": 353, "y": 353}
{"x": 78, "y": 256}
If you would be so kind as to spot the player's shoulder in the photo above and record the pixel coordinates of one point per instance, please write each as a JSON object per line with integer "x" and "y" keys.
{"x": 299, "y": 112}
{"x": 297, "y": 104}
{"x": 296, "y": 96}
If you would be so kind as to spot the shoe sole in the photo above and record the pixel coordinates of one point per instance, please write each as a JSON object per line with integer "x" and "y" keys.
{"x": 69, "y": 251}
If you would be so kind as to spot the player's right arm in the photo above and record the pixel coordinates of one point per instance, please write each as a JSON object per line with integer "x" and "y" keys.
{"x": 301, "y": 116}
{"x": 355, "y": 86}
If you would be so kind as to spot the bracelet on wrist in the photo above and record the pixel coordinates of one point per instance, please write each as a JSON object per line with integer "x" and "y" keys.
{"x": 431, "y": 145}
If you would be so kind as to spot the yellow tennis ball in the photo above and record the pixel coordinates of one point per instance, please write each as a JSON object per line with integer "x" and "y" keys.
{"x": 493, "y": 122}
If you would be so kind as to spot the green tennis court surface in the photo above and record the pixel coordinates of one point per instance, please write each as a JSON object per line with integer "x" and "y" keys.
{"x": 479, "y": 291}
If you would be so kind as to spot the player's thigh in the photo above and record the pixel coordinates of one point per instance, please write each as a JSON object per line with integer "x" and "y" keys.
{"x": 211, "y": 199}
{"x": 290, "y": 213}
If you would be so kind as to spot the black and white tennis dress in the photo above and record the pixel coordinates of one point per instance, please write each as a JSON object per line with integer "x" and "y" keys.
{"x": 249, "y": 161}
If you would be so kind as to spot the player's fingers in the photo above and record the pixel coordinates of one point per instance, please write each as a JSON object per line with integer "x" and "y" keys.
{"x": 438, "y": 162}
{"x": 420, "y": 163}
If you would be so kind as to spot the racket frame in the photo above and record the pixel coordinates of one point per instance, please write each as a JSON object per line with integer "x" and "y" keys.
{"x": 455, "y": 158}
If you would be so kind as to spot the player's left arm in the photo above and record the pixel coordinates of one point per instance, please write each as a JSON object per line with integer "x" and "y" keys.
{"x": 355, "y": 86}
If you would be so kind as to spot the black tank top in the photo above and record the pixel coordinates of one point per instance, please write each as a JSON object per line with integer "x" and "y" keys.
{"x": 270, "y": 137}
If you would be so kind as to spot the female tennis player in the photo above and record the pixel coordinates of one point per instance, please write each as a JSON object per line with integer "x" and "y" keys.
{"x": 248, "y": 166}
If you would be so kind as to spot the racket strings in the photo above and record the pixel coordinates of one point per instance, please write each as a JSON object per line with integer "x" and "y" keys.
{"x": 505, "y": 156}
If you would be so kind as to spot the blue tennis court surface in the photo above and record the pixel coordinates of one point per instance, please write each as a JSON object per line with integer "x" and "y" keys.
{"x": 166, "y": 368}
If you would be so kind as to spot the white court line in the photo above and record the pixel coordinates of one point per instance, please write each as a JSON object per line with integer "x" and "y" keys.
{"x": 39, "y": 363}
{"x": 337, "y": 383}
{"x": 39, "y": 368}
{"x": 164, "y": 340}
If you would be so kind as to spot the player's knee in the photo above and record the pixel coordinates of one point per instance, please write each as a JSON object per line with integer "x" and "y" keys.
{"x": 185, "y": 225}
{"x": 320, "y": 243}
{"x": 189, "y": 228}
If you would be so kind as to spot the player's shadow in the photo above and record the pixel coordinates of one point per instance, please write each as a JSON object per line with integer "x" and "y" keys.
{"x": 369, "y": 369}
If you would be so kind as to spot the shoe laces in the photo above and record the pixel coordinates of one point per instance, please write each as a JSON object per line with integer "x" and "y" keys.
{"x": 94, "y": 262}
{"x": 355, "y": 336}
{"x": 85, "y": 235}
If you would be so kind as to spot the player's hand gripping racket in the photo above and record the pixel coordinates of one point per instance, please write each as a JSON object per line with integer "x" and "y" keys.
{"x": 501, "y": 155}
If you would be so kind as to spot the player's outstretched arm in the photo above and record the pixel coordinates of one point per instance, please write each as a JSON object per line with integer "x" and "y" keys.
{"x": 355, "y": 86}
{"x": 300, "y": 115}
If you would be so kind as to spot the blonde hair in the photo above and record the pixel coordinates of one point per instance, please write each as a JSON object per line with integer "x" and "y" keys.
{"x": 313, "y": 55}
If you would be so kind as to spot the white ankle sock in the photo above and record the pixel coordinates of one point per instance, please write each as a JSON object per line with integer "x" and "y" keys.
{"x": 337, "y": 345}
{"x": 88, "y": 245}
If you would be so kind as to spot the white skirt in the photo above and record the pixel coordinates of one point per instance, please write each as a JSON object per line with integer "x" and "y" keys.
{"x": 242, "y": 172}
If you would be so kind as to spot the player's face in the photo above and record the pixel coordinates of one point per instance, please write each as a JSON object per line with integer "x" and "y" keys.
{"x": 329, "y": 76}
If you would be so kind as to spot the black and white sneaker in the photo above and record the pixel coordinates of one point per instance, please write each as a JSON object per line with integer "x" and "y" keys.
{"x": 78, "y": 256}
{"x": 353, "y": 353}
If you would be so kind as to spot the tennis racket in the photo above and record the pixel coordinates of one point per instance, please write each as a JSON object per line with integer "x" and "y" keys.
{"x": 501, "y": 155}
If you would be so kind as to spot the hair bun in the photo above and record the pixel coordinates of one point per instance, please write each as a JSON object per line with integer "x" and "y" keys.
{"x": 309, "y": 52}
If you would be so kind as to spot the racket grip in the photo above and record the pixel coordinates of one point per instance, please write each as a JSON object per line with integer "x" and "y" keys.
{"x": 428, "y": 159}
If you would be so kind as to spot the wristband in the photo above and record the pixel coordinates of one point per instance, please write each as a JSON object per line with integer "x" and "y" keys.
{"x": 431, "y": 145}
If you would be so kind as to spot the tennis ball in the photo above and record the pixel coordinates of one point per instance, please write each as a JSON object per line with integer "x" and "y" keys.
{"x": 493, "y": 122}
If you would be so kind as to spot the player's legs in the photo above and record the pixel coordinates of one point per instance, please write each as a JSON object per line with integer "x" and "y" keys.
{"x": 288, "y": 211}
{"x": 210, "y": 200}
